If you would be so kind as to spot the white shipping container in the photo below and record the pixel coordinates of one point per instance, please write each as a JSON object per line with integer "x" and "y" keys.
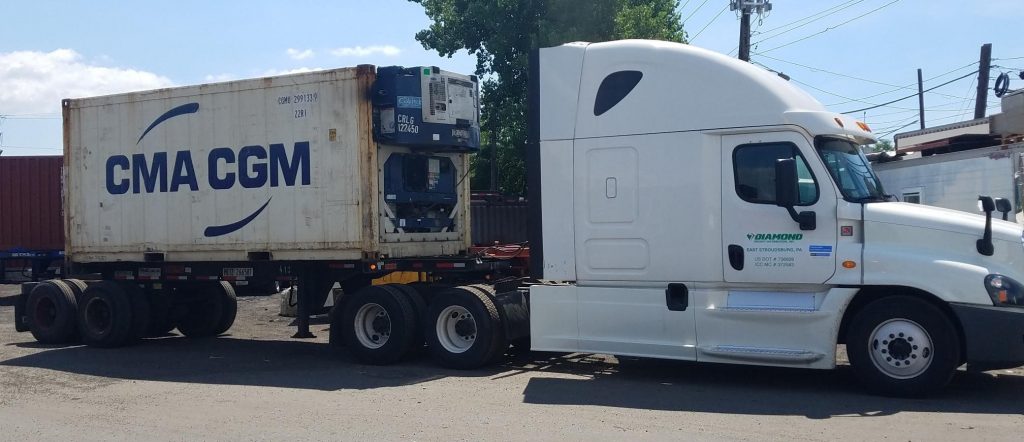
{"x": 286, "y": 165}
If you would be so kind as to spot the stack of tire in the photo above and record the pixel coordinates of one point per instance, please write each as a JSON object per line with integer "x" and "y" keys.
{"x": 113, "y": 314}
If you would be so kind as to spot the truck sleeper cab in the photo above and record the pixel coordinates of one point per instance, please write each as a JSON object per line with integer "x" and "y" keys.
{"x": 717, "y": 213}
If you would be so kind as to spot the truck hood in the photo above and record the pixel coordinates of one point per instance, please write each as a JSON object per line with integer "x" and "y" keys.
{"x": 937, "y": 218}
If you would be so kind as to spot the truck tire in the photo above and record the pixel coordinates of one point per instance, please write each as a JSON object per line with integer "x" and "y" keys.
{"x": 77, "y": 286}
{"x": 419, "y": 306}
{"x": 105, "y": 315}
{"x": 463, "y": 328}
{"x": 52, "y": 312}
{"x": 903, "y": 346}
{"x": 202, "y": 317}
{"x": 229, "y": 307}
{"x": 378, "y": 325}
{"x": 141, "y": 310}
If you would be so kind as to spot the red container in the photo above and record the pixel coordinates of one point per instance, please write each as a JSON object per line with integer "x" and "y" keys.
{"x": 30, "y": 204}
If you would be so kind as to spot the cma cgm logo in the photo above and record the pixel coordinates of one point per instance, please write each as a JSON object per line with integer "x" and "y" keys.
{"x": 250, "y": 167}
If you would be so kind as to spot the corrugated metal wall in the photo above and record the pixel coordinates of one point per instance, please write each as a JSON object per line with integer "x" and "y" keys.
{"x": 501, "y": 222}
{"x": 30, "y": 203}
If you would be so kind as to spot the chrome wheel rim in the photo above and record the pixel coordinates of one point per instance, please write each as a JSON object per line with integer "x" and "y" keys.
{"x": 372, "y": 326}
{"x": 900, "y": 348}
{"x": 456, "y": 329}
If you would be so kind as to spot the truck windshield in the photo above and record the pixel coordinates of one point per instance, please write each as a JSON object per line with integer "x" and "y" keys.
{"x": 850, "y": 169}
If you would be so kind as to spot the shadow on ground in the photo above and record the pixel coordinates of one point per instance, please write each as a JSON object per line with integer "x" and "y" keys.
{"x": 737, "y": 389}
{"x": 553, "y": 379}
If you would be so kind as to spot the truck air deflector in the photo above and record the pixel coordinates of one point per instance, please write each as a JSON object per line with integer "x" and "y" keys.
{"x": 614, "y": 88}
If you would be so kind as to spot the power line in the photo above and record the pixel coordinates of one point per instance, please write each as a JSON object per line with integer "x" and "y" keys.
{"x": 911, "y": 96}
{"x": 836, "y": 26}
{"x": 896, "y": 129}
{"x": 709, "y": 23}
{"x": 840, "y": 6}
{"x": 839, "y": 74}
{"x": 694, "y": 11}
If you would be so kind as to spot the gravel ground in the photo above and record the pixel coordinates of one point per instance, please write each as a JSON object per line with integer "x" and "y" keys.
{"x": 256, "y": 383}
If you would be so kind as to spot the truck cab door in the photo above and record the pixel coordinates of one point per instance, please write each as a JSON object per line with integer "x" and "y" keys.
{"x": 763, "y": 243}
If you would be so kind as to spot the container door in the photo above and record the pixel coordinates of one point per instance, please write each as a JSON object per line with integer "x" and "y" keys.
{"x": 762, "y": 241}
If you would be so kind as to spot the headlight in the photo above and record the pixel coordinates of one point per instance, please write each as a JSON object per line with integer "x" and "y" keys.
{"x": 1004, "y": 291}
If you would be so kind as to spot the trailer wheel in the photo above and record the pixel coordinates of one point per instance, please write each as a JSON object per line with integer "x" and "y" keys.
{"x": 903, "y": 346}
{"x": 52, "y": 312}
{"x": 378, "y": 325}
{"x": 463, "y": 328}
{"x": 202, "y": 317}
{"x": 105, "y": 315}
{"x": 229, "y": 307}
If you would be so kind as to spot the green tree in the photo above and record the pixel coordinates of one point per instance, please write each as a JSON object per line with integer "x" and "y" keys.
{"x": 882, "y": 146}
{"x": 502, "y": 33}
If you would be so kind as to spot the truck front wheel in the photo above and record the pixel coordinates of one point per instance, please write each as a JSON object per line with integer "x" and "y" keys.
{"x": 903, "y": 346}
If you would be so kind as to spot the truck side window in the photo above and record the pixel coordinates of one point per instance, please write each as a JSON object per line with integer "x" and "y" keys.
{"x": 754, "y": 172}
{"x": 614, "y": 88}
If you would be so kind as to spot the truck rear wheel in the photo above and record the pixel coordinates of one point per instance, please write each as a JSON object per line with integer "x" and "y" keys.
{"x": 52, "y": 312}
{"x": 105, "y": 315}
{"x": 378, "y": 325}
{"x": 419, "y": 306}
{"x": 463, "y": 328}
{"x": 903, "y": 346}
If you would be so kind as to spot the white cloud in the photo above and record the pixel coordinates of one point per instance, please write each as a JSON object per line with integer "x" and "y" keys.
{"x": 297, "y": 54}
{"x": 275, "y": 72}
{"x": 35, "y": 82}
{"x": 217, "y": 78}
{"x": 363, "y": 51}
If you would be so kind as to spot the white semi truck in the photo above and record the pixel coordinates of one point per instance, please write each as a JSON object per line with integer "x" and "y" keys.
{"x": 685, "y": 205}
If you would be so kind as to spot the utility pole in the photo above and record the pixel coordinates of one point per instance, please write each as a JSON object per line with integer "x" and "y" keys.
{"x": 920, "y": 97}
{"x": 746, "y": 7}
{"x": 984, "y": 65}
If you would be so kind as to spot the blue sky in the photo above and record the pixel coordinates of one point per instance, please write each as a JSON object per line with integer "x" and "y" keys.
{"x": 868, "y": 53}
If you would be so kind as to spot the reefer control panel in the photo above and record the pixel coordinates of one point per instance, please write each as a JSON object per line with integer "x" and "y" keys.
{"x": 426, "y": 107}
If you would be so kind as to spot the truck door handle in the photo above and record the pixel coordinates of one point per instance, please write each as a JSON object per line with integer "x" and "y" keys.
{"x": 736, "y": 256}
{"x": 677, "y": 297}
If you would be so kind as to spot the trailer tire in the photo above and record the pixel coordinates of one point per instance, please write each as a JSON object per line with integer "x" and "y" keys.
{"x": 419, "y": 306}
{"x": 105, "y": 315}
{"x": 141, "y": 310}
{"x": 378, "y": 325}
{"x": 202, "y": 317}
{"x": 464, "y": 328}
{"x": 229, "y": 307}
{"x": 52, "y": 312}
{"x": 903, "y": 346}
{"x": 77, "y": 286}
